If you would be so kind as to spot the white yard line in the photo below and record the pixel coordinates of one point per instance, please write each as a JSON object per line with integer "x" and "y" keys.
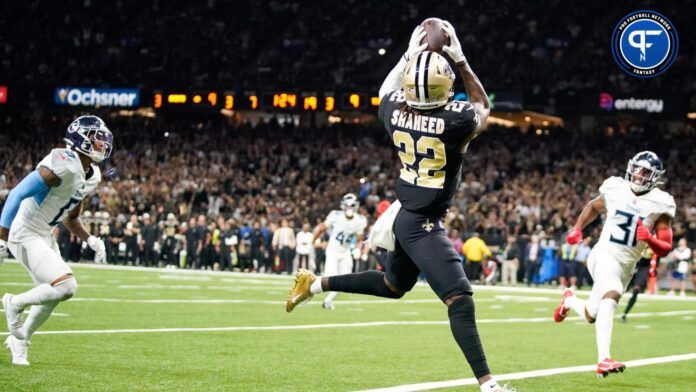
{"x": 530, "y": 374}
{"x": 284, "y": 278}
{"x": 332, "y": 326}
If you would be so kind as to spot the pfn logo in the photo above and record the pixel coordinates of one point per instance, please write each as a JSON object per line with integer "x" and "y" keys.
{"x": 645, "y": 44}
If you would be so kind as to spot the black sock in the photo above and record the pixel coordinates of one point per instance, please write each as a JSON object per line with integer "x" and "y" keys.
{"x": 631, "y": 301}
{"x": 368, "y": 282}
{"x": 463, "y": 324}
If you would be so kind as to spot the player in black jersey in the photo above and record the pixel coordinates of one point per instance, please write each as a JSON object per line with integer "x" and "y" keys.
{"x": 430, "y": 133}
{"x": 645, "y": 269}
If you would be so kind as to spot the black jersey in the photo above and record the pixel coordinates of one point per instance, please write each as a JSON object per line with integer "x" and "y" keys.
{"x": 429, "y": 144}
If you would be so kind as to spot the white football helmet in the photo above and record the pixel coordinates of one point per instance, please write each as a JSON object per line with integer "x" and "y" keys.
{"x": 349, "y": 204}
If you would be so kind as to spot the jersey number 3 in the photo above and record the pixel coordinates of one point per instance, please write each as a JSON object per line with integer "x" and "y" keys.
{"x": 629, "y": 229}
{"x": 428, "y": 172}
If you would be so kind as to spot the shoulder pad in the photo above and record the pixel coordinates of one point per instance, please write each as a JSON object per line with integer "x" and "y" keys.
{"x": 665, "y": 200}
{"x": 612, "y": 184}
{"x": 61, "y": 161}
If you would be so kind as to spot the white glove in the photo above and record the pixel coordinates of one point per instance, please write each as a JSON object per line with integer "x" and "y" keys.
{"x": 3, "y": 251}
{"x": 99, "y": 249}
{"x": 454, "y": 49}
{"x": 414, "y": 45}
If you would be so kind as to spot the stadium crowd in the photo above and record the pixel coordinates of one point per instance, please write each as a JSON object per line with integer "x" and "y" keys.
{"x": 213, "y": 194}
{"x": 320, "y": 46}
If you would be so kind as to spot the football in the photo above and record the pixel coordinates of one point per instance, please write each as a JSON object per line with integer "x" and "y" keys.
{"x": 435, "y": 36}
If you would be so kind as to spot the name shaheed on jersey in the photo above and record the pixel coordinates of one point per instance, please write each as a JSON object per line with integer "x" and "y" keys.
{"x": 430, "y": 133}
{"x": 48, "y": 196}
{"x": 638, "y": 217}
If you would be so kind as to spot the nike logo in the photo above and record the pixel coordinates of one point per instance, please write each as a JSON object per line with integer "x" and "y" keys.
{"x": 294, "y": 299}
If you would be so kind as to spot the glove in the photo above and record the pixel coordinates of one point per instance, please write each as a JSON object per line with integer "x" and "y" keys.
{"x": 642, "y": 232}
{"x": 414, "y": 45}
{"x": 3, "y": 251}
{"x": 99, "y": 249}
{"x": 574, "y": 236}
{"x": 454, "y": 49}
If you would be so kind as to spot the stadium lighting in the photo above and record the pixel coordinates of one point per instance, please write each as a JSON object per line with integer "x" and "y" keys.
{"x": 381, "y": 51}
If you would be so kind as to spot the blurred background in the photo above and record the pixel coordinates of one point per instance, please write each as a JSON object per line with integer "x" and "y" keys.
{"x": 234, "y": 118}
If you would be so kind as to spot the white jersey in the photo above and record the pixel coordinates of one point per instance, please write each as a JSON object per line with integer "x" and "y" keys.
{"x": 38, "y": 215}
{"x": 342, "y": 230}
{"x": 624, "y": 209}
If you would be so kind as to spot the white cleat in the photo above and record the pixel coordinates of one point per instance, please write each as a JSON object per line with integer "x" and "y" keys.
{"x": 13, "y": 315}
{"x": 19, "y": 350}
{"x": 328, "y": 305}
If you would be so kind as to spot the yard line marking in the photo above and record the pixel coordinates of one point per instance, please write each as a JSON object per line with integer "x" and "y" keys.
{"x": 327, "y": 326}
{"x": 288, "y": 278}
{"x": 248, "y": 301}
{"x": 530, "y": 374}
{"x": 52, "y": 313}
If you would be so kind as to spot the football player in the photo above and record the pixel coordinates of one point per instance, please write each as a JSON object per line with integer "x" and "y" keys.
{"x": 430, "y": 132}
{"x": 638, "y": 215}
{"x": 50, "y": 195}
{"x": 344, "y": 226}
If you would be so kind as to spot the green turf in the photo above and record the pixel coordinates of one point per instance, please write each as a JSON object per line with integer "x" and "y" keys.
{"x": 339, "y": 359}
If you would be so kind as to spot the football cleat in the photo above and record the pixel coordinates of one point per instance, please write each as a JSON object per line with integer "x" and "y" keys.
{"x": 608, "y": 366}
{"x": 300, "y": 292}
{"x": 327, "y": 305}
{"x": 623, "y": 318}
{"x": 19, "y": 350}
{"x": 13, "y": 315}
{"x": 561, "y": 311}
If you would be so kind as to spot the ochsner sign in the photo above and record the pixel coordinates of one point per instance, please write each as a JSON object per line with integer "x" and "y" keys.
{"x": 650, "y": 105}
{"x": 96, "y": 97}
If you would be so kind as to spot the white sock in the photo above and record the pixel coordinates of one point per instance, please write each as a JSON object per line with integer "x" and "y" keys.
{"x": 38, "y": 314}
{"x": 603, "y": 327}
{"x": 315, "y": 287}
{"x": 577, "y": 304}
{"x": 332, "y": 295}
{"x": 39, "y": 295}
{"x": 486, "y": 386}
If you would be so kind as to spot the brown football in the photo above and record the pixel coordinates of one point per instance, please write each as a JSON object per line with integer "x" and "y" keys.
{"x": 435, "y": 36}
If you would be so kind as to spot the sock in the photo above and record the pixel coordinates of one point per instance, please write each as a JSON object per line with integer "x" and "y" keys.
{"x": 45, "y": 293}
{"x": 315, "y": 288}
{"x": 38, "y": 314}
{"x": 631, "y": 301}
{"x": 603, "y": 327}
{"x": 577, "y": 304}
{"x": 332, "y": 295}
{"x": 488, "y": 385}
{"x": 368, "y": 282}
{"x": 463, "y": 324}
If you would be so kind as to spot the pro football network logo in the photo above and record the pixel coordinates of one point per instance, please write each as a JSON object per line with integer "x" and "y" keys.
{"x": 644, "y": 44}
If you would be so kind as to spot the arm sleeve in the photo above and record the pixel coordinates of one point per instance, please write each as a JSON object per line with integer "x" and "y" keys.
{"x": 31, "y": 185}
{"x": 393, "y": 80}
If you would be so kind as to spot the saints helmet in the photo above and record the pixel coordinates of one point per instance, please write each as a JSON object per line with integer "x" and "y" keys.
{"x": 90, "y": 136}
{"x": 644, "y": 171}
{"x": 427, "y": 81}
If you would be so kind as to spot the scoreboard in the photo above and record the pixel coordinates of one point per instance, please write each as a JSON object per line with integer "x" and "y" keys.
{"x": 273, "y": 101}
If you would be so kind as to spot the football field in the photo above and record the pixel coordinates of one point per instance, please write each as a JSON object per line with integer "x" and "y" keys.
{"x": 131, "y": 329}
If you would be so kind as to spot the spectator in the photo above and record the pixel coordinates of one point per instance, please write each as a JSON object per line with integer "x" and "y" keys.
{"x": 681, "y": 257}
{"x": 284, "y": 244}
{"x": 510, "y": 262}
{"x": 567, "y": 273}
{"x": 457, "y": 243}
{"x": 131, "y": 237}
{"x": 304, "y": 248}
{"x": 581, "y": 256}
{"x": 150, "y": 242}
{"x": 476, "y": 252}
{"x": 532, "y": 260}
